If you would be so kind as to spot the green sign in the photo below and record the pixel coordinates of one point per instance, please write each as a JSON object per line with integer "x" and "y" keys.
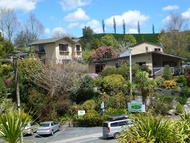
{"x": 136, "y": 106}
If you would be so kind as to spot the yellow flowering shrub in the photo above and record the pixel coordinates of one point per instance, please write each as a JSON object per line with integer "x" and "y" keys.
{"x": 169, "y": 84}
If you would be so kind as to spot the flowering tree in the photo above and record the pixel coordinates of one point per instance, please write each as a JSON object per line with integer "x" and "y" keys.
{"x": 103, "y": 53}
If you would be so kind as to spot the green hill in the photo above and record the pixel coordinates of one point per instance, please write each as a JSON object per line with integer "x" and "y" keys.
{"x": 139, "y": 37}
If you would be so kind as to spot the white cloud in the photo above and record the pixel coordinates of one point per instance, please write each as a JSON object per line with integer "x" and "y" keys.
{"x": 59, "y": 32}
{"x": 24, "y": 5}
{"x": 166, "y": 20}
{"x": 78, "y": 15}
{"x": 131, "y": 18}
{"x": 73, "y": 4}
{"x": 133, "y": 31}
{"x": 170, "y": 7}
{"x": 94, "y": 25}
{"x": 71, "y": 25}
{"x": 47, "y": 31}
{"x": 186, "y": 14}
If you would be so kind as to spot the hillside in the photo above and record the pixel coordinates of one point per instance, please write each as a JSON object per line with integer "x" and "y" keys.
{"x": 139, "y": 37}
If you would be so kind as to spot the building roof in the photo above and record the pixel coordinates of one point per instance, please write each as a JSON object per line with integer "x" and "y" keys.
{"x": 53, "y": 40}
{"x": 126, "y": 53}
{"x": 151, "y": 52}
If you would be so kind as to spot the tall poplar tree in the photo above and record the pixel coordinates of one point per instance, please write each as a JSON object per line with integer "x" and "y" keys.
{"x": 123, "y": 26}
{"x": 103, "y": 26}
{"x": 138, "y": 27}
{"x": 114, "y": 25}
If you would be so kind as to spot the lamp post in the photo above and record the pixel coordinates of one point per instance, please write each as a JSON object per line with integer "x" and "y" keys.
{"x": 130, "y": 70}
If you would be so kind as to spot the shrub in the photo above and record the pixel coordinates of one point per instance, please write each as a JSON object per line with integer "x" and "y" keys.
{"x": 159, "y": 81}
{"x": 182, "y": 80}
{"x": 89, "y": 105}
{"x": 167, "y": 73}
{"x": 90, "y": 119}
{"x": 180, "y": 109}
{"x": 169, "y": 84}
{"x": 162, "y": 104}
{"x": 114, "y": 84}
{"x": 150, "y": 129}
{"x": 185, "y": 92}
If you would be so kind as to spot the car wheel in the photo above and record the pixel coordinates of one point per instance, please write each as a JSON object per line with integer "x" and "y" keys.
{"x": 116, "y": 135}
{"x": 52, "y": 132}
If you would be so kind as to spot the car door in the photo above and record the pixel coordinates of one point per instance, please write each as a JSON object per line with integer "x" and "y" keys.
{"x": 34, "y": 126}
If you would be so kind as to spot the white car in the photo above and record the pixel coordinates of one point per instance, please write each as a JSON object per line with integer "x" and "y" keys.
{"x": 31, "y": 128}
{"x": 48, "y": 128}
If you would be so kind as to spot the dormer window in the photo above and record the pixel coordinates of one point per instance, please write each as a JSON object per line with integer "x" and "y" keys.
{"x": 157, "y": 49}
{"x": 63, "y": 49}
{"x": 78, "y": 47}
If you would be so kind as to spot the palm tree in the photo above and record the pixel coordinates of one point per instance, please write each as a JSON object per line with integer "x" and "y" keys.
{"x": 11, "y": 127}
{"x": 145, "y": 85}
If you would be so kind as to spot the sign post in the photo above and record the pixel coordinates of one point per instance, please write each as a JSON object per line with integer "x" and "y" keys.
{"x": 102, "y": 107}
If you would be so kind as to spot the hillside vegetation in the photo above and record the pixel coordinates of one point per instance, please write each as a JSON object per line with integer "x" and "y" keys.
{"x": 139, "y": 37}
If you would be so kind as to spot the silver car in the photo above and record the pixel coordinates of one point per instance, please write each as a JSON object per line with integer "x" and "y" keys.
{"x": 31, "y": 128}
{"x": 48, "y": 128}
{"x": 114, "y": 126}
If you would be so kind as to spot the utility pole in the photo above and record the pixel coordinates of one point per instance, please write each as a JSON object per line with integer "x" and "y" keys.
{"x": 18, "y": 94}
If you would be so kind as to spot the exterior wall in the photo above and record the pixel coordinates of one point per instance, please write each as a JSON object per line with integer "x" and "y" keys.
{"x": 53, "y": 54}
{"x": 147, "y": 58}
{"x": 141, "y": 48}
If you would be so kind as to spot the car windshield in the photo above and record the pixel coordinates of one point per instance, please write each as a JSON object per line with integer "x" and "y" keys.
{"x": 44, "y": 125}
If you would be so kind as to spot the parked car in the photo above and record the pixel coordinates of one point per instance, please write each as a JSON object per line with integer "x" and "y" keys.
{"x": 31, "y": 128}
{"x": 48, "y": 128}
{"x": 115, "y": 124}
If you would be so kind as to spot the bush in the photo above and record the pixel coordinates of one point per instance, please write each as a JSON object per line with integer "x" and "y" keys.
{"x": 159, "y": 81}
{"x": 182, "y": 80}
{"x": 90, "y": 119}
{"x": 169, "y": 84}
{"x": 162, "y": 104}
{"x": 167, "y": 73}
{"x": 185, "y": 92}
{"x": 150, "y": 129}
{"x": 89, "y": 105}
{"x": 180, "y": 109}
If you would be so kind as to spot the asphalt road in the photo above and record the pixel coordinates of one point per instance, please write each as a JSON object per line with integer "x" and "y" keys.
{"x": 71, "y": 135}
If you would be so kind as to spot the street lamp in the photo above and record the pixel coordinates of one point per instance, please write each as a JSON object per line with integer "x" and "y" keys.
{"x": 130, "y": 70}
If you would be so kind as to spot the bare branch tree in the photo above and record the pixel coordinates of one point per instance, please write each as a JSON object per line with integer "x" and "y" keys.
{"x": 8, "y": 23}
{"x": 34, "y": 26}
{"x": 60, "y": 78}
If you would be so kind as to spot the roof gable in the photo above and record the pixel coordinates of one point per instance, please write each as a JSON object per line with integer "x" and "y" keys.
{"x": 53, "y": 40}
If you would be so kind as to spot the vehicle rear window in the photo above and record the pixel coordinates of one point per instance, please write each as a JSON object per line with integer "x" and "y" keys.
{"x": 105, "y": 124}
{"x": 44, "y": 125}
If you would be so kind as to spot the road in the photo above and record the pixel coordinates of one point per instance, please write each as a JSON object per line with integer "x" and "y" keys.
{"x": 71, "y": 135}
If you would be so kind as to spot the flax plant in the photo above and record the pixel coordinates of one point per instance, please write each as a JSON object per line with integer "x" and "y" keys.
{"x": 11, "y": 127}
{"x": 151, "y": 129}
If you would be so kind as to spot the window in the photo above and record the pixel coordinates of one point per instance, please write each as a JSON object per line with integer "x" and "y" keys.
{"x": 78, "y": 47}
{"x": 42, "y": 49}
{"x": 157, "y": 49}
{"x": 63, "y": 47}
{"x": 114, "y": 124}
{"x": 99, "y": 68}
{"x": 141, "y": 63}
{"x": 122, "y": 123}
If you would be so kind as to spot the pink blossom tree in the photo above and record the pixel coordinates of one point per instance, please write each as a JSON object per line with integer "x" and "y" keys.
{"x": 103, "y": 52}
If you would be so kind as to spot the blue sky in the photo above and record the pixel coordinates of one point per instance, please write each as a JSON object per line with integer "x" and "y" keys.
{"x": 70, "y": 16}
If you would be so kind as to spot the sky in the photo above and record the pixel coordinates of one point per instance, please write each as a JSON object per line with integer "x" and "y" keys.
{"x": 70, "y": 16}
